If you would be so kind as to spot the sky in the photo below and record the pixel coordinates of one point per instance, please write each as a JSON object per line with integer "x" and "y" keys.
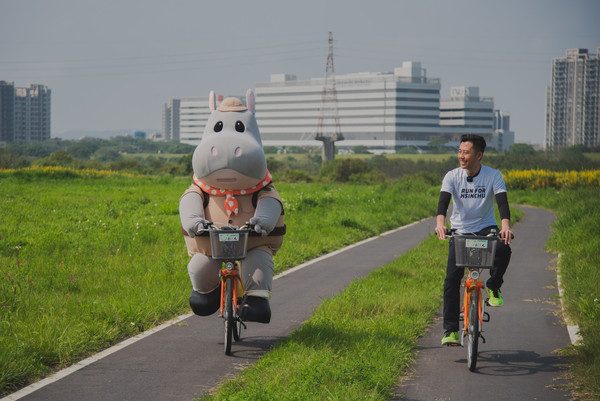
{"x": 112, "y": 64}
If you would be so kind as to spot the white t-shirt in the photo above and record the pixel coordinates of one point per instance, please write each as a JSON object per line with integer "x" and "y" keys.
{"x": 473, "y": 201}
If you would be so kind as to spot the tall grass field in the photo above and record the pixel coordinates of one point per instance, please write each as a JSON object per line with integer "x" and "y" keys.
{"x": 89, "y": 258}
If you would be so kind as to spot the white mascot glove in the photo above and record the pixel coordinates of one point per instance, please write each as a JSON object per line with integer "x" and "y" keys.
{"x": 266, "y": 215}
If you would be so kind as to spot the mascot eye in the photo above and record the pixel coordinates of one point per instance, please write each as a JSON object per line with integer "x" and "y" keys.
{"x": 239, "y": 126}
{"x": 218, "y": 126}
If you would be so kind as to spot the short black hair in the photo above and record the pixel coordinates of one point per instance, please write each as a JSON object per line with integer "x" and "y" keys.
{"x": 477, "y": 141}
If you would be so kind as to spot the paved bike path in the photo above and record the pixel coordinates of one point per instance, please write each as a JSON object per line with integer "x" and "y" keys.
{"x": 185, "y": 360}
{"x": 519, "y": 360}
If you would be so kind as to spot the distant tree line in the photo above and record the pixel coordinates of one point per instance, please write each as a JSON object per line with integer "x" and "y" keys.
{"x": 118, "y": 153}
{"x": 143, "y": 156}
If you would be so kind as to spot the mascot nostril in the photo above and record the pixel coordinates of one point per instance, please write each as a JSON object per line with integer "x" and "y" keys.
{"x": 229, "y": 189}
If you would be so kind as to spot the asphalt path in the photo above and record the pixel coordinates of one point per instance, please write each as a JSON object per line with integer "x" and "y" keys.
{"x": 519, "y": 360}
{"x": 187, "y": 359}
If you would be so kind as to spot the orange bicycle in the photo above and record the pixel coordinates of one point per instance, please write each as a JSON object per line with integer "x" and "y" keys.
{"x": 229, "y": 245}
{"x": 475, "y": 253}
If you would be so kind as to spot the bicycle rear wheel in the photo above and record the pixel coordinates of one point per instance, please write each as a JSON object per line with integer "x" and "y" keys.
{"x": 473, "y": 330}
{"x": 228, "y": 315}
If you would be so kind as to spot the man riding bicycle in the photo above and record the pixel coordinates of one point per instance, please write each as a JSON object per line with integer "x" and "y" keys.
{"x": 472, "y": 188}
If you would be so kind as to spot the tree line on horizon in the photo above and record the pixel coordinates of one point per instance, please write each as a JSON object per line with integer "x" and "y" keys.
{"x": 143, "y": 156}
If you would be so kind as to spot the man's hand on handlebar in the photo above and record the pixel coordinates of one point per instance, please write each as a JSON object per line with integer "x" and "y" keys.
{"x": 441, "y": 232}
{"x": 506, "y": 234}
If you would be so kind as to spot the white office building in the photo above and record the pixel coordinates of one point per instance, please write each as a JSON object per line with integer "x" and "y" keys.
{"x": 384, "y": 111}
{"x": 193, "y": 114}
{"x": 465, "y": 112}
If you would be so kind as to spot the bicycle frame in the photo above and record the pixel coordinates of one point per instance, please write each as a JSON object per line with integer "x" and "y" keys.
{"x": 228, "y": 244}
{"x": 472, "y": 284}
{"x": 230, "y": 269}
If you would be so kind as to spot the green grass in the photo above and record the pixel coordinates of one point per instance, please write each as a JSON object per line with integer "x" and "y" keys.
{"x": 575, "y": 236}
{"x": 86, "y": 262}
{"x": 357, "y": 344}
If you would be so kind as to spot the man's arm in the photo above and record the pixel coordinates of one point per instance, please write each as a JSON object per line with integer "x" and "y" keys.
{"x": 504, "y": 210}
{"x": 440, "y": 219}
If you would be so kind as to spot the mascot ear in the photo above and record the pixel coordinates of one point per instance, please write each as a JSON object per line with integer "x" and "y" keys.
{"x": 212, "y": 104}
{"x": 250, "y": 100}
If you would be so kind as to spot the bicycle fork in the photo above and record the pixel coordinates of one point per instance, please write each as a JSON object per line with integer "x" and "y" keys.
{"x": 472, "y": 283}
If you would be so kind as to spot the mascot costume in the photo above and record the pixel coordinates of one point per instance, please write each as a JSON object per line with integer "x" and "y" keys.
{"x": 232, "y": 186}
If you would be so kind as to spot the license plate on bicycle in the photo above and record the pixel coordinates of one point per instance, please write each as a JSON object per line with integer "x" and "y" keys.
{"x": 476, "y": 243}
{"x": 229, "y": 237}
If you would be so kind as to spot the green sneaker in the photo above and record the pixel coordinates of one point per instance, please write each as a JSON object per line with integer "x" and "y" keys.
{"x": 450, "y": 338}
{"x": 495, "y": 297}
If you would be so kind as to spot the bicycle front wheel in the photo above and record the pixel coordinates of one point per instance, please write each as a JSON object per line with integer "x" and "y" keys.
{"x": 228, "y": 315}
{"x": 473, "y": 330}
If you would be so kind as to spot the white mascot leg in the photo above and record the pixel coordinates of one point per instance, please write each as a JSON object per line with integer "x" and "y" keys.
{"x": 257, "y": 273}
{"x": 204, "y": 275}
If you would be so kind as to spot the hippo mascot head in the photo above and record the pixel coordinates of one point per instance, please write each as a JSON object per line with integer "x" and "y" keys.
{"x": 232, "y": 186}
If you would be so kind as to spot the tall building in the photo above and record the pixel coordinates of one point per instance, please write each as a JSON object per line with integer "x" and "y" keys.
{"x": 170, "y": 120}
{"x": 503, "y": 137}
{"x": 7, "y": 112}
{"x": 573, "y": 100}
{"x": 32, "y": 113}
{"x": 384, "y": 111}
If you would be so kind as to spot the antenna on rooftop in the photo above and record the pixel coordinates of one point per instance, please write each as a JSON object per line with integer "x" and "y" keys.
{"x": 329, "y": 109}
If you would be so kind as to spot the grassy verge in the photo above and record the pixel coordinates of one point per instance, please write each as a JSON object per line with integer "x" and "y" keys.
{"x": 357, "y": 344}
{"x": 575, "y": 236}
{"x": 89, "y": 259}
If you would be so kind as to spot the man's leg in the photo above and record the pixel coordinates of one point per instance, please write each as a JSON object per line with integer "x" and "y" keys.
{"x": 452, "y": 291}
{"x": 501, "y": 261}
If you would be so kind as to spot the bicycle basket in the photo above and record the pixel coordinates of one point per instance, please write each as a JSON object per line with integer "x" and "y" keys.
{"x": 228, "y": 244}
{"x": 475, "y": 251}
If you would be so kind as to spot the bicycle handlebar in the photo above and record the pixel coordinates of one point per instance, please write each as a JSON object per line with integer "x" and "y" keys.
{"x": 494, "y": 233}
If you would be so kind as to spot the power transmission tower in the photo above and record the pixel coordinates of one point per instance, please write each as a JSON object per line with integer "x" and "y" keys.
{"x": 329, "y": 108}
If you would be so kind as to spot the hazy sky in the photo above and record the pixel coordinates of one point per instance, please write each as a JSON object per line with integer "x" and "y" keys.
{"x": 112, "y": 64}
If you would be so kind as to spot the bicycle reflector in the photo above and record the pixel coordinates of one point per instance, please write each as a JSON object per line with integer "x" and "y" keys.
{"x": 474, "y": 274}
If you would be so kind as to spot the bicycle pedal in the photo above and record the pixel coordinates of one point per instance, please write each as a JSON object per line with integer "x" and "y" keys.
{"x": 486, "y": 317}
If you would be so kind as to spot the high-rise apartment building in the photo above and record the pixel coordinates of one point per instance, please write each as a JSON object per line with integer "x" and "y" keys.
{"x": 573, "y": 100}
{"x": 170, "y": 120}
{"x": 25, "y": 113}
{"x": 383, "y": 111}
{"x": 7, "y": 112}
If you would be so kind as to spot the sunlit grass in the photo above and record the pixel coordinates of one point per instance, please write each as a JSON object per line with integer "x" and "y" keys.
{"x": 357, "y": 344}
{"x": 88, "y": 260}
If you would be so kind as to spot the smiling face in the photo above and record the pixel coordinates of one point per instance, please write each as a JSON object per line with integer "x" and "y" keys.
{"x": 469, "y": 157}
